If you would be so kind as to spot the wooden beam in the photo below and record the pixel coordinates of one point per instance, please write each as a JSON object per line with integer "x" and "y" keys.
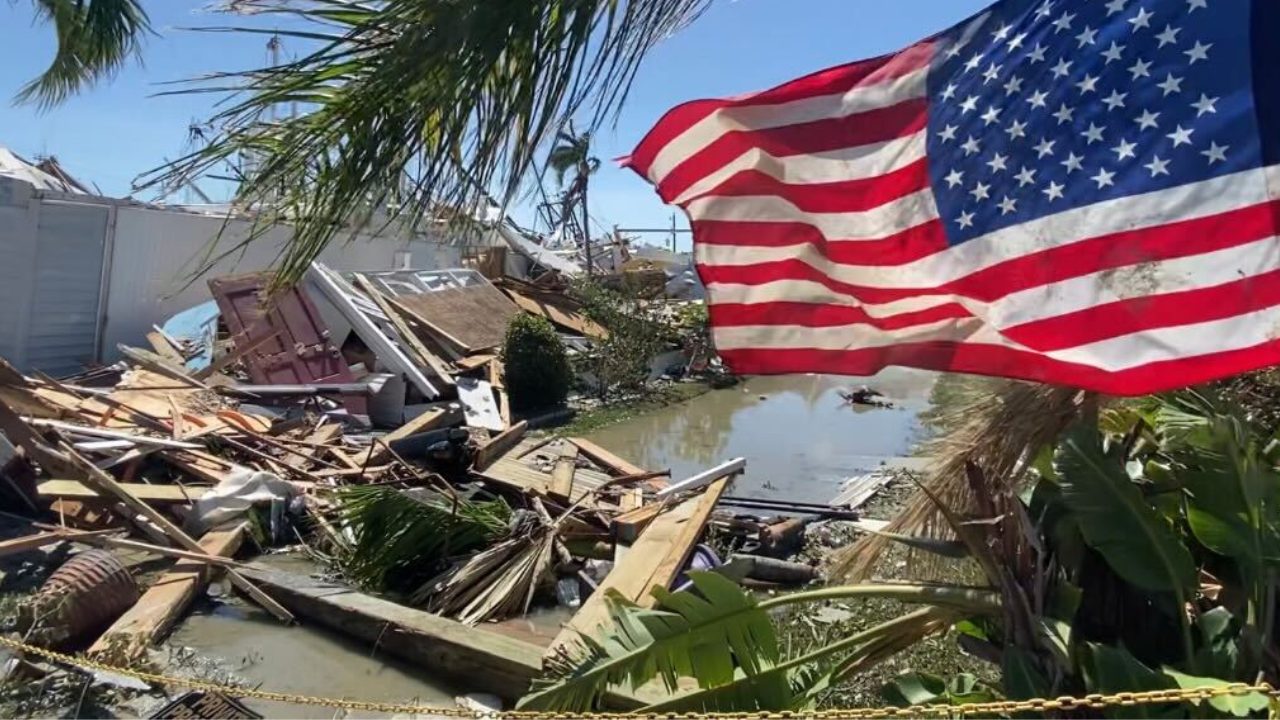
{"x": 562, "y": 476}
{"x": 656, "y": 558}
{"x": 161, "y": 606}
{"x": 428, "y": 420}
{"x": 29, "y": 542}
{"x": 606, "y": 458}
{"x": 474, "y": 656}
{"x": 76, "y": 490}
{"x": 159, "y": 365}
{"x": 66, "y": 461}
{"x": 497, "y": 374}
{"x": 427, "y": 357}
{"x": 471, "y": 362}
{"x": 164, "y": 348}
{"x": 499, "y": 444}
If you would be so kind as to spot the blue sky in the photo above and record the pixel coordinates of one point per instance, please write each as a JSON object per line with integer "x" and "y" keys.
{"x": 116, "y": 131}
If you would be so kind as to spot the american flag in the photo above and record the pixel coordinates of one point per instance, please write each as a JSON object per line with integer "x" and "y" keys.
{"x": 1082, "y": 192}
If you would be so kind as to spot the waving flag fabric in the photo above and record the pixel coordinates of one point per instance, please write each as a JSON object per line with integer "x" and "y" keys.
{"x": 1081, "y": 192}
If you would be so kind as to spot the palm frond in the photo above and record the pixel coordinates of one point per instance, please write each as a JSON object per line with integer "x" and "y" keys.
{"x": 95, "y": 39}
{"x": 429, "y": 102}
{"x": 405, "y": 536}
{"x": 495, "y": 584}
{"x": 996, "y": 432}
{"x": 720, "y": 635}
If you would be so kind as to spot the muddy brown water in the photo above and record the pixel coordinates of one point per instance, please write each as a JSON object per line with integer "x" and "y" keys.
{"x": 306, "y": 660}
{"x": 800, "y": 439}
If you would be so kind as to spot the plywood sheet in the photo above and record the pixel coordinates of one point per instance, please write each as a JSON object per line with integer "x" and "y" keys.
{"x": 476, "y": 315}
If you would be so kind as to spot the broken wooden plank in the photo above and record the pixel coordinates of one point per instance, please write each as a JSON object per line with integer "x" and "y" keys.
{"x": 64, "y": 460}
{"x": 656, "y": 558}
{"x": 472, "y": 362}
{"x": 164, "y": 348}
{"x": 606, "y": 458}
{"x": 76, "y": 490}
{"x": 164, "y": 603}
{"x": 427, "y": 357}
{"x": 627, "y": 526}
{"x": 632, "y": 499}
{"x": 115, "y": 435}
{"x": 478, "y": 404}
{"x": 706, "y": 477}
{"x": 498, "y": 445}
{"x": 160, "y": 365}
{"x": 562, "y": 476}
{"x": 29, "y": 542}
{"x": 428, "y": 420}
{"x": 563, "y": 316}
{"x": 496, "y": 375}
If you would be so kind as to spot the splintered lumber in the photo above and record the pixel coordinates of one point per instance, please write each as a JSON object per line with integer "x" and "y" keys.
{"x": 76, "y": 490}
{"x": 706, "y": 477}
{"x": 496, "y": 375}
{"x": 66, "y": 461}
{"x": 562, "y": 477}
{"x": 498, "y": 445}
{"x": 428, "y": 358}
{"x": 157, "y": 364}
{"x": 161, "y": 606}
{"x": 29, "y": 542}
{"x": 428, "y": 420}
{"x": 655, "y": 559}
{"x": 115, "y": 435}
{"x": 164, "y": 348}
{"x": 628, "y": 525}
{"x": 562, "y": 316}
{"x": 471, "y": 362}
{"x": 606, "y": 458}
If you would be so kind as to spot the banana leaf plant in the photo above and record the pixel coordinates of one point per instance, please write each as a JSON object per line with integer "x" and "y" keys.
{"x": 1157, "y": 535}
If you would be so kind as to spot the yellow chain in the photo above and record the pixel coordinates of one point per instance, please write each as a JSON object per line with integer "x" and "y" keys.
{"x": 1094, "y": 701}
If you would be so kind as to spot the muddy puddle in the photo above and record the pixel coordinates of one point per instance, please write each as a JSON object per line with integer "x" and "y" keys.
{"x": 800, "y": 438}
{"x": 259, "y": 650}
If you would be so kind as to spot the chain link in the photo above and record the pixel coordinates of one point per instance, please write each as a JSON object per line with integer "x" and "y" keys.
{"x": 1094, "y": 701}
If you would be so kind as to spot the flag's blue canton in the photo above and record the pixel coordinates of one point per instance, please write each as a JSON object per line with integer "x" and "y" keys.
{"x": 1040, "y": 106}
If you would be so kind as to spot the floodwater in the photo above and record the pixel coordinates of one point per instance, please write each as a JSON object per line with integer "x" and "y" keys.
{"x": 303, "y": 660}
{"x": 800, "y": 439}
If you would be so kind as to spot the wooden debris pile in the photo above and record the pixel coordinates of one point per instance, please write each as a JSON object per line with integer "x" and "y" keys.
{"x": 361, "y": 418}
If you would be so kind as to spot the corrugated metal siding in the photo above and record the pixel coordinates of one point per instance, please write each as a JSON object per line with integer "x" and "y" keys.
{"x": 17, "y": 258}
{"x": 70, "y": 240}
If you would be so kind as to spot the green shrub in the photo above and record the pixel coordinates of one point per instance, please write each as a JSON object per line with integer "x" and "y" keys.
{"x": 538, "y": 372}
{"x": 636, "y": 335}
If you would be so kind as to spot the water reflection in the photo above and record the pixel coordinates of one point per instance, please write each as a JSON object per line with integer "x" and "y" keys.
{"x": 799, "y": 437}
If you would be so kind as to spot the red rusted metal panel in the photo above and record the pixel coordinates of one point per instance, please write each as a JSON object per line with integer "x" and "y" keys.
{"x": 300, "y": 351}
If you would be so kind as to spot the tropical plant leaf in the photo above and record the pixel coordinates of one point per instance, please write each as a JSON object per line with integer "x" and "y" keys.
{"x": 916, "y": 688}
{"x": 95, "y": 39}
{"x": 1114, "y": 670}
{"x": 1115, "y": 520}
{"x": 1243, "y": 705}
{"x": 689, "y": 635}
{"x": 1022, "y": 679}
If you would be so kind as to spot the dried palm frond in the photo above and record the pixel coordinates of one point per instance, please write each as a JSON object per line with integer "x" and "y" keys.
{"x": 495, "y": 584}
{"x": 994, "y": 433}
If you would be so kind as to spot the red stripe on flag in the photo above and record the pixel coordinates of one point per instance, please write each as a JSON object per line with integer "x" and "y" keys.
{"x": 828, "y": 197}
{"x": 1006, "y": 362}
{"x": 1182, "y": 239}
{"x": 816, "y": 315}
{"x": 865, "y": 128}
{"x": 1149, "y": 312}
{"x": 827, "y": 82}
{"x": 912, "y": 244}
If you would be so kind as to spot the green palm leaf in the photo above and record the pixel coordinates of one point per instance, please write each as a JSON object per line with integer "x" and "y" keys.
{"x": 95, "y": 39}
{"x": 421, "y": 105}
